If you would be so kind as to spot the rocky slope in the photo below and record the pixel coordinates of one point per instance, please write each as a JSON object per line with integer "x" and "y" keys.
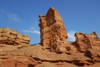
{"x": 53, "y": 51}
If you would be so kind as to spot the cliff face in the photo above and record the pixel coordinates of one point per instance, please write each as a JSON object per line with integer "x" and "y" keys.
{"x": 53, "y": 51}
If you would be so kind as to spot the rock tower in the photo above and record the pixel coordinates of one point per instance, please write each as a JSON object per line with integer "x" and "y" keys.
{"x": 53, "y": 31}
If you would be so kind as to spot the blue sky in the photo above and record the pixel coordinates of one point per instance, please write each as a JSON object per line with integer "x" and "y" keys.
{"x": 78, "y": 15}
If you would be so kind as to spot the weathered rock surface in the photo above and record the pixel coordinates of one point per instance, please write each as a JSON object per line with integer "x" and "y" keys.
{"x": 36, "y": 56}
{"x": 85, "y": 41}
{"x": 53, "y": 32}
{"x": 54, "y": 50}
{"x": 12, "y": 37}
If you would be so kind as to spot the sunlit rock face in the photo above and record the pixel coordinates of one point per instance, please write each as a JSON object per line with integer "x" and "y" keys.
{"x": 53, "y": 32}
{"x": 12, "y": 37}
{"x": 53, "y": 51}
{"x": 87, "y": 41}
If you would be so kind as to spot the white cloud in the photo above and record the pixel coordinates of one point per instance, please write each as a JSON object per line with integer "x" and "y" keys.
{"x": 25, "y": 31}
{"x": 38, "y": 32}
{"x": 28, "y": 31}
{"x": 13, "y": 17}
{"x": 71, "y": 36}
{"x": 32, "y": 28}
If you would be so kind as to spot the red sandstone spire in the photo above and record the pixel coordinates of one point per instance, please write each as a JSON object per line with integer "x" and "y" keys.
{"x": 53, "y": 32}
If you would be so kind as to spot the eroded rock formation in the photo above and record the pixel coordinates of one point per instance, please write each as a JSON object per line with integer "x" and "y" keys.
{"x": 87, "y": 41}
{"x": 12, "y": 37}
{"x": 84, "y": 52}
{"x": 53, "y": 32}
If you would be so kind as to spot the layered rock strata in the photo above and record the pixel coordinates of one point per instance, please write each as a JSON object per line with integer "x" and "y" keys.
{"x": 87, "y": 41}
{"x": 35, "y": 56}
{"x": 12, "y": 37}
{"x": 53, "y": 32}
{"x": 84, "y": 52}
